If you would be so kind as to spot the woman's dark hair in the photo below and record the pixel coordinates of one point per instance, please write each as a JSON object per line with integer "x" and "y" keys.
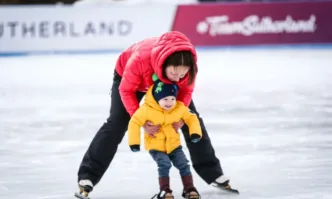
{"x": 181, "y": 58}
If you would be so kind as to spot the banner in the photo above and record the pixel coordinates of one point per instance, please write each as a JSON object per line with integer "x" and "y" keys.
{"x": 65, "y": 28}
{"x": 256, "y": 23}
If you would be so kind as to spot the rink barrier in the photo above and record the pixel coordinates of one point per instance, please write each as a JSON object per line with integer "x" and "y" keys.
{"x": 199, "y": 49}
{"x": 257, "y": 23}
{"x": 110, "y": 29}
{"x": 38, "y": 29}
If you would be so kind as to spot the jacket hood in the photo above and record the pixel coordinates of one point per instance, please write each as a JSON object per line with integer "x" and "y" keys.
{"x": 167, "y": 44}
{"x": 149, "y": 99}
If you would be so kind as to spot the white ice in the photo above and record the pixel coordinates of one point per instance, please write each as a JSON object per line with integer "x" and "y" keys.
{"x": 268, "y": 113}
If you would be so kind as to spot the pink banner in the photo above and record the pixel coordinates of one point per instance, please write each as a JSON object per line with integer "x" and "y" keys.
{"x": 256, "y": 23}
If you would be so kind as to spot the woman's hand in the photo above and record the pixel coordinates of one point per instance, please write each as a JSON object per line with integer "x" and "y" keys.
{"x": 151, "y": 129}
{"x": 178, "y": 125}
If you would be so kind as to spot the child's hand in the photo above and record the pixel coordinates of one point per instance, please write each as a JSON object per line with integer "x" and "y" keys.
{"x": 135, "y": 148}
{"x": 195, "y": 138}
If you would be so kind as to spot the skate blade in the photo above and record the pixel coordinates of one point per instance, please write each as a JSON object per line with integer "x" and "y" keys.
{"x": 233, "y": 191}
{"x": 156, "y": 197}
{"x": 80, "y": 196}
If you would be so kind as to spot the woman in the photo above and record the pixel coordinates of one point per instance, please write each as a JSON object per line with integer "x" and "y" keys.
{"x": 173, "y": 58}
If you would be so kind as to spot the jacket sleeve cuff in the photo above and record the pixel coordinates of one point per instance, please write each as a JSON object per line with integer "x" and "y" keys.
{"x": 195, "y": 138}
{"x": 135, "y": 148}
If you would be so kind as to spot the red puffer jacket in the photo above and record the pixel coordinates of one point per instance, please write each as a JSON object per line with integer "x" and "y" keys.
{"x": 137, "y": 64}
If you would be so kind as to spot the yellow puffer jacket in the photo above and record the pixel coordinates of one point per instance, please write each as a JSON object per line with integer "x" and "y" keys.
{"x": 167, "y": 139}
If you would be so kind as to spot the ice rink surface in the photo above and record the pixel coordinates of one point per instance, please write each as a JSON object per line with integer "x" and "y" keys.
{"x": 268, "y": 113}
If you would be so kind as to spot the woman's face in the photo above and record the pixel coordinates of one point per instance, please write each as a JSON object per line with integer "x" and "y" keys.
{"x": 175, "y": 73}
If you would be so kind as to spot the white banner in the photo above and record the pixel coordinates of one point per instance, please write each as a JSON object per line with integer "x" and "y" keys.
{"x": 68, "y": 29}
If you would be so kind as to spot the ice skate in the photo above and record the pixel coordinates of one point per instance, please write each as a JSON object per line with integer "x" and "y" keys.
{"x": 85, "y": 187}
{"x": 223, "y": 183}
{"x": 165, "y": 191}
{"x": 189, "y": 191}
{"x": 163, "y": 195}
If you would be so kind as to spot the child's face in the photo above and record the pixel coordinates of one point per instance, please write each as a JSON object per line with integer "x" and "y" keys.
{"x": 167, "y": 103}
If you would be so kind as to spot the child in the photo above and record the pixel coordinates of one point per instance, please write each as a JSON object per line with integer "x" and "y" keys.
{"x": 161, "y": 107}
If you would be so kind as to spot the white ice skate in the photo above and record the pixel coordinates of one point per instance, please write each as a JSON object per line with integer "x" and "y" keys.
{"x": 223, "y": 183}
{"x": 86, "y": 187}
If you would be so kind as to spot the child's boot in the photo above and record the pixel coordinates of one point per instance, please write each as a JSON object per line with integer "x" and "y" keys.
{"x": 189, "y": 191}
{"x": 165, "y": 191}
